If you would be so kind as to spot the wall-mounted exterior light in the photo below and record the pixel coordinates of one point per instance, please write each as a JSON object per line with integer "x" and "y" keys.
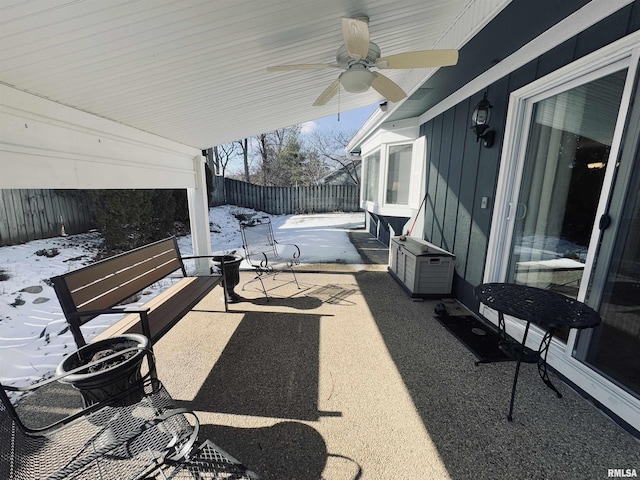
{"x": 480, "y": 122}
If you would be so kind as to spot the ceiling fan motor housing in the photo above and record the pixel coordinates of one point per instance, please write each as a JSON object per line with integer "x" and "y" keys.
{"x": 345, "y": 60}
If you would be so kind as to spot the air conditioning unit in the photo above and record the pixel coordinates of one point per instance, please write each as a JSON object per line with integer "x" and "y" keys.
{"x": 424, "y": 270}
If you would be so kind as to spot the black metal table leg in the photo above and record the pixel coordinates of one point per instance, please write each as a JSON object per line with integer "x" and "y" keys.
{"x": 544, "y": 308}
{"x": 542, "y": 361}
{"x": 501, "y": 340}
{"x": 515, "y": 378}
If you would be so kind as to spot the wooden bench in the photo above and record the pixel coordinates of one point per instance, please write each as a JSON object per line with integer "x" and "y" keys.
{"x": 100, "y": 287}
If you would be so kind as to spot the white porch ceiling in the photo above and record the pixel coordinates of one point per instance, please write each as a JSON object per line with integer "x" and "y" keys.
{"x": 194, "y": 71}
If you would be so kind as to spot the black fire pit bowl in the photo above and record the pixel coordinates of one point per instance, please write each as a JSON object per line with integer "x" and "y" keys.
{"x": 231, "y": 274}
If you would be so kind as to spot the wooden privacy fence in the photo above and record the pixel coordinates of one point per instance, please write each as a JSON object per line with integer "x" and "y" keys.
{"x": 33, "y": 214}
{"x": 286, "y": 200}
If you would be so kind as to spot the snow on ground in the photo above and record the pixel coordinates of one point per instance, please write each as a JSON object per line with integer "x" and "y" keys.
{"x": 33, "y": 332}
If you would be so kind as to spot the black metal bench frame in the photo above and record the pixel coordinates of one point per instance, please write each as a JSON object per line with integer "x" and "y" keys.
{"x": 99, "y": 288}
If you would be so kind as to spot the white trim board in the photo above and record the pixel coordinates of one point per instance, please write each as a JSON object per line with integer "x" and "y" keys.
{"x": 44, "y": 144}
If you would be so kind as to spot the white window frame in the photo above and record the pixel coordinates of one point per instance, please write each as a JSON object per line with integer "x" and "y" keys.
{"x": 385, "y": 173}
{"x": 404, "y": 132}
{"x": 366, "y": 203}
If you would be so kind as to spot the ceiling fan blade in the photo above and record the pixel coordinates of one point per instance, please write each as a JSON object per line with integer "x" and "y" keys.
{"x": 328, "y": 94}
{"x": 302, "y": 66}
{"x": 387, "y": 88}
{"x": 356, "y": 37}
{"x": 419, "y": 59}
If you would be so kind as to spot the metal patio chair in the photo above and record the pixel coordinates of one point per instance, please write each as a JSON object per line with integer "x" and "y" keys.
{"x": 264, "y": 253}
{"x": 137, "y": 434}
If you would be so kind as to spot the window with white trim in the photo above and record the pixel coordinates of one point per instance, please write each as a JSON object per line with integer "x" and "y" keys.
{"x": 371, "y": 165}
{"x": 392, "y": 169}
{"x": 398, "y": 174}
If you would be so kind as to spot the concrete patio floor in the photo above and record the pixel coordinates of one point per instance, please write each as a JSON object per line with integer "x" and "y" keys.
{"x": 348, "y": 378}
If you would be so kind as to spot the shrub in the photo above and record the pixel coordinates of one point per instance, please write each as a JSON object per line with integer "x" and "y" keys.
{"x": 132, "y": 218}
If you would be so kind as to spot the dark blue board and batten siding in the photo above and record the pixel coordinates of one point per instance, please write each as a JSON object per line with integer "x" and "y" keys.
{"x": 459, "y": 172}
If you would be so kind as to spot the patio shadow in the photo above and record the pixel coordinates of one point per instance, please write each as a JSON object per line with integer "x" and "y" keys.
{"x": 286, "y": 450}
{"x": 269, "y": 368}
{"x": 297, "y": 303}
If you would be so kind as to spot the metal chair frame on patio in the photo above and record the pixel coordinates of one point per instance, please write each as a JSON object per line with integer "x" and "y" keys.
{"x": 133, "y": 435}
{"x": 264, "y": 253}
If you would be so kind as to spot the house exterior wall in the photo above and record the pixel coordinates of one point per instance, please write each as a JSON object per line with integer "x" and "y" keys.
{"x": 459, "y": 172}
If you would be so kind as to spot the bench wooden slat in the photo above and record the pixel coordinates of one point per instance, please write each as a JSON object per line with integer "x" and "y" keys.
{"x": 83, "y": 276}
{"x": 116, "y": 296}
{"x": 123, "y": 284}
{"x": 166, "y": 308}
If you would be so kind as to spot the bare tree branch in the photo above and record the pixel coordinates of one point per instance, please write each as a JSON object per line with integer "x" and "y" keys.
{"x": 330, "y": 146}
{"x": 223, "y": 154}
{"x": 244, "y": 149}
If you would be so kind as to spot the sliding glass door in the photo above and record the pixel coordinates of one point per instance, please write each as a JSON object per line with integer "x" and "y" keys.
{"x": 613, "y": 349}
{"x": 568, "y": 148}
{"x": 568, "y": 218}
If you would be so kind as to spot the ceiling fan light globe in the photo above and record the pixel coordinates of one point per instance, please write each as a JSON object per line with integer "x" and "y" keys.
{"x": 357, "y": 81}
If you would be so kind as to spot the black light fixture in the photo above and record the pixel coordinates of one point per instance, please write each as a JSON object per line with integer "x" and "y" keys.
{"x": 480, "y": 122}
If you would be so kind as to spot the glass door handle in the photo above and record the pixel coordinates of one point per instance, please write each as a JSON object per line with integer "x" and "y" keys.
{"x": 605, "y": 221}
{"x": 519, "y": 216}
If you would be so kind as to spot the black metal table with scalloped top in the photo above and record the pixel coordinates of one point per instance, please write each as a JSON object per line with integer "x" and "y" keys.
{"x": 545, "y": 308}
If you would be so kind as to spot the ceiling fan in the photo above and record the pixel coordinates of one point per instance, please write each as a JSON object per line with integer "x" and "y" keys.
{"x": 359, "y": 55}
